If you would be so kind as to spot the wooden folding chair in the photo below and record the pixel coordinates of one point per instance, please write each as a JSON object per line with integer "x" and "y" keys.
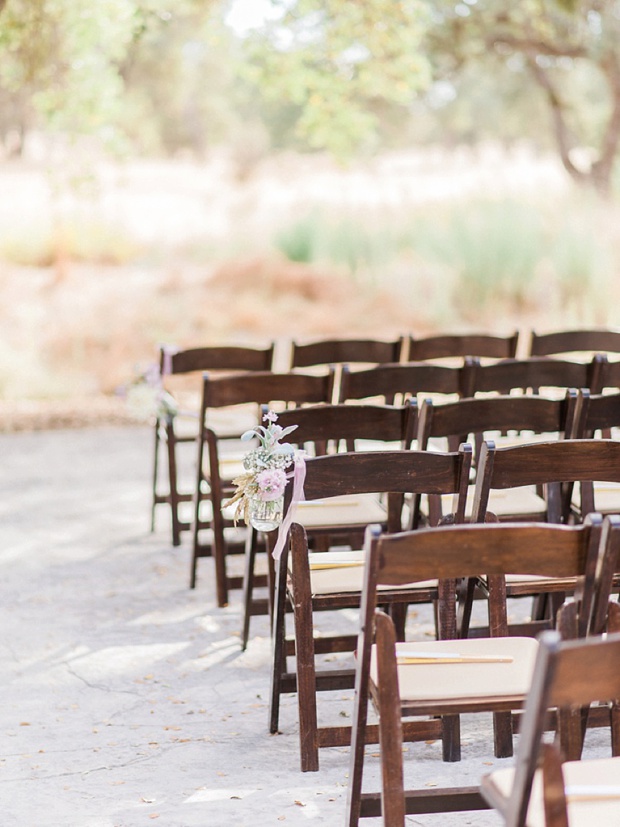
{"x": 599, "y": 415}
{"x": 390, "y": 382}
{"x": 584, "y": 341}
{"x": 525, "y": 417}
{"x": 320, "y": 429}
{"x": 216, "y": 469}
{"x": 555, "y": 466}
{"x": 535, "y": 373}
{"x": 544, "y": 789}
{"x": 324, "y": 353}
{"x": 549, "y": 464}
{"x": 175, "y": 367}
{"x": 478, "y": 345}
{"x": 332, "y": 580}
{"x": 345, "y": 351}
{"x": 451, "y": 676}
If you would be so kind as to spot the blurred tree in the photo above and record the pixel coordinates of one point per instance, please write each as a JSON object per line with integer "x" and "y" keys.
{"x": 569, "y": 48}
{"x": 61, "y": 60}
{"x": 342, "y": 64}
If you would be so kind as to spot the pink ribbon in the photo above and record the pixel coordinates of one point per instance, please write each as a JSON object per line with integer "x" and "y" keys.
{"x": 299, "y": 475}
{"x": 166, "y": 367}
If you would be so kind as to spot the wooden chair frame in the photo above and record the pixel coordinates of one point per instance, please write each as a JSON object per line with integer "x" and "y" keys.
{"x": 594, "y": 340}
{"x": 478, "y": 345}
{"x": 393, "y": 472}
{"x": 569, "y": 675}
{"x": 589, "y": 551}
{"x": 326, "y": 429}
{"x": 258, "y": 388}
{"x": 177, "y": 362}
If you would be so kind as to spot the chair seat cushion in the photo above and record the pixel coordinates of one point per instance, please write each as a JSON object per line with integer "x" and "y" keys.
{"x": 584, "y": 781}
{"x": 358, "y": 510}
{"x": 342, "y": 571}
{"x": 521, "y": 501}
{"x": 606, "y": 497}
{"x": 423, "y": 682}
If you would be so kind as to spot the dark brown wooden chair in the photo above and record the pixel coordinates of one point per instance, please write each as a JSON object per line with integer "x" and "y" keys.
{"x": 544, "y": 788}
{"x": 345, "y": 351}
{"x": 326, "y": 581}
{"x": 321, "y": 429}
{"x": 324, "y": 353}
{"x": 591, "y": 341}
{"x": 216, "y": 469}
{"x": 599, "y": 415}
{"x": 450, "y": 676}
{"x": 443, "y": 346}
{"x": 176, "y": 368}
{"x": 390, "y": 382}
{"x": 534, "y": 374}
{"x": 525, "y": 417}
{"x": 546, "y": 463}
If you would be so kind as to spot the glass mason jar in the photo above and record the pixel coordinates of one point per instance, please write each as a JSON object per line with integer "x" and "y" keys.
{"x": 266, "y": 515}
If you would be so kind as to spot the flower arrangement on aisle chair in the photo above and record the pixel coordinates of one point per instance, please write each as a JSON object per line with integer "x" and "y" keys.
{"x": 260, "y": 490}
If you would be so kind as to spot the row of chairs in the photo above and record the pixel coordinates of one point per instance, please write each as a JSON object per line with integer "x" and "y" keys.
{"x": 213, "y": 533}
{"x": 308, "y": 582}
{"x": 585, "y": 555}
{"x": 555, "y": 681}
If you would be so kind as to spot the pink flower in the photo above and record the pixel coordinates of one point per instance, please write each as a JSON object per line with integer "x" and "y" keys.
{"x": 271, "y": 484}
{"x": 270, "y": 416}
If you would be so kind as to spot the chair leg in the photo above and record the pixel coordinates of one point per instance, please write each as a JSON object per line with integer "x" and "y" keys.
{"x": 306, "y": 686}
{"x": 451, "y": 738}
{"x": 173, "y": 481}
{"x": 195, "y": 535}
{"x": 390, "y": 726}
{"x": 278, "y": 644}
{"x": 155, "y": 473}
{"x": 219, "y": 557}
{"x": 248, "y": 585}
{"x": 502, "y": 734}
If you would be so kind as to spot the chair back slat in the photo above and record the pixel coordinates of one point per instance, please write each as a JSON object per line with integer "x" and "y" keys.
{"x": 326, "y": 423}
{"x": 410, "y": 379}
{"x": 476, "y": 345}
{"x": 535, "y": 372}
{"x": 452, "y": 552}
{"x": 388, "y": 471}
{"x": 333, "y": 351}
{"x": 499, "y": 413}
{"x": 217, "y": 358}
{"x": 575, "y": 341}
{"x": 262, "y": 387}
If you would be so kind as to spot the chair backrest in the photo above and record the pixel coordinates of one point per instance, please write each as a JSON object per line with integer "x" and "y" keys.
{"x": 321, "y": 424}
{"x": 598, "y": 412}
{"x": 545, "y": 463}
{"x": 470, "y": 344}
{"x": 566, "y": 674}
{"x": 597, "y": 340}
{"x": 264, "y": 388}
{"x": 499, "y": 413}
{"x": 450, "y": 553}
{"x": 534, "y": 373}
{"x": 334, "y": 351}
{"x": 389, "y": 381}
{"x": 391, "y": 472}
{"x": 224, "y": 358}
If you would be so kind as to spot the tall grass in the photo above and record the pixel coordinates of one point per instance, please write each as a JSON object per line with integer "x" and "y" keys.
{"x": 469, "y": 258}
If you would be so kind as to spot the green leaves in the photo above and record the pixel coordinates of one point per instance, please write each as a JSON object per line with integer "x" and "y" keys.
{"x": 335, "y": 59}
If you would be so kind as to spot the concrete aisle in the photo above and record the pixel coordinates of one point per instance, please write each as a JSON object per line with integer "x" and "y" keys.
{"x": 126, "y": 700}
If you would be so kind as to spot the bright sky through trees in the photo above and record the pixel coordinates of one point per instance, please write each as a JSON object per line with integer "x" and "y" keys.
{"x": 245, "y": 15}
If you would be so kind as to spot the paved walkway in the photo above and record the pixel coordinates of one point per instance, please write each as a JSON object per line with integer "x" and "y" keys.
{"x": 126, "y": 699}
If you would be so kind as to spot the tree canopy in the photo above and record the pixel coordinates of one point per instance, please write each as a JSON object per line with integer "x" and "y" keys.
{"x": 324, "y": 74}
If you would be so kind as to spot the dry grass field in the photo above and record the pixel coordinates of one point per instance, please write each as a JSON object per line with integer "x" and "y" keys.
{"x": 99, "y": 266}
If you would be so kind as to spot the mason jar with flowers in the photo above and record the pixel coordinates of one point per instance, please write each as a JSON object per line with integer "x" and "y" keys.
{"x": 260, "y": 489}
